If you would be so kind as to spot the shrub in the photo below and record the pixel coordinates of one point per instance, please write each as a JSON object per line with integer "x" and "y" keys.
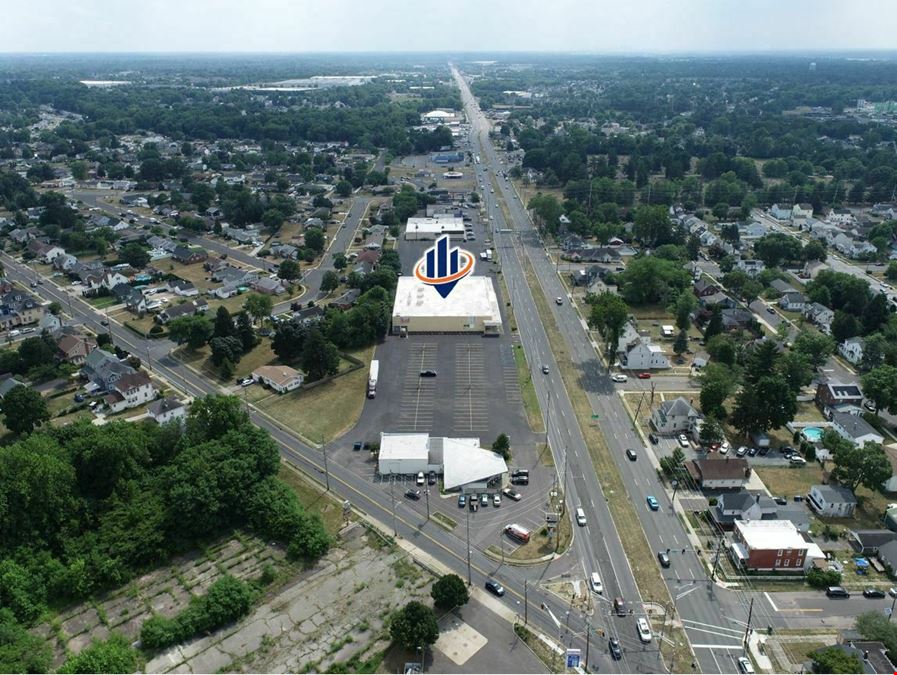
{"x": 823, "y": 578}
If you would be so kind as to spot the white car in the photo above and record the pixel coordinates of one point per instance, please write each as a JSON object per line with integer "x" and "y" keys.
{"x": 745, "y": 666}
{"x": 618, "y": 377}
{"x": 420, "y": 477}
{"x": 595, "y": 583}
{"x": 683, "y": 440}
{"x": 644, "y": 630}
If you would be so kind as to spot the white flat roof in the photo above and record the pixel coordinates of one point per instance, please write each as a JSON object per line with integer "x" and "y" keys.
{"x": 435, "y": 225}
{"x": 771, "y": 534}
{"x": 463, "y": 463}
{"x": 472, "y": 296}
{"x": 404, "y": 446}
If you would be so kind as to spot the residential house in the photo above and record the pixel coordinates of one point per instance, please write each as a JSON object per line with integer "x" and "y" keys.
{"x": 347, "y": 299}
{"x": 308, "y": 315}
{"x": 130, "y": 391}
{"x": 675, "y": 416}
{"x": 166, "y": 410}
{"x": 782, "y": 286}
{"x": 8, "y": 384}
{"x": 751, "y": 267}
{"x": 772, "y": 546}
{"x": 737, "y": 319}
{"x": 183, "y": 288}
{"x": 703, "y": 288}
{"x": 780, "y": 212}
{"x": 369, "y": 256}
{"x": 132, "y": 298}
{"x": 103, "y": 279}
{"x": 832, "y": 501}
{"x": 18, "y": 308}
{"x": 729, "y": 473}
{"x": 868, "y": 542}
{"x": 742, "y": 505}
{"x": 104, "y": 369}
{"x": 716, "y": 299}
{"x": 887, "y": 556}
{"x": 595, "y": 254}
{"x": 820, "y": 315}
{"x": 872, "y": 654}
{"x": 801, "y": 211}
{"x": 268, "y": 286}
{"x": 835, "y": 395}
{"x": 812, "y": 268}
{"x": 178, "y": 311}
{"x": 841, "y": 217}
{"x": 43, "y": 251}
{"x": 189, "y": 255}
{"x": 74, "y": 348}
{"x": 64, "y": 262}
{"x": 643, "y": 355}
{"x": 287, "y": 251}
{"x": 852, "y": 349}
{"x": 280, "y": 378}
{"x": 793, "y": 301}
{"x": 23, "y": 236}
{"x": 752, "y": 230}
{"x": 855, "y": 429}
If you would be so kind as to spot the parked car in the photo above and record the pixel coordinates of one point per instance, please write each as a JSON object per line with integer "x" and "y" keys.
{"x": 653, "y": 504}
{"x": 79, "y": 398}
{"x": 520, "y": 480}
{"x": 618, "y": 377}
{"x": 412, "y": 494}
{"x": 745, "y": 665}
{"x": 644, "y": 376}
{"x": 494, "y": 587}
{"x": 516, "y": 473}
{"x": 462, "y": 501}
{"x": 873, "y": 593}
{"x": 496, "y": 499}
{"x": 837, "y": 592}
{"x": 511, "y": 494}
{"x": 797, "y": 460}
{"x": 652, "y": 438}
{"x": 356, "y": 445}
{"x": 474, "y": 503}
{"x": 431, "y": 478}
{"x": 420, "y": 477}
{"x": 428, "y": 373}
{"x": 742, "y": 451}
{"x": 484, "y": 499}
{"x": 683, "y": 440}
{"x": 753, "y": 452}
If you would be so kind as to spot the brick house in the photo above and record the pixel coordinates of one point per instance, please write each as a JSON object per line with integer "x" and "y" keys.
{"x": 772, "y": 546}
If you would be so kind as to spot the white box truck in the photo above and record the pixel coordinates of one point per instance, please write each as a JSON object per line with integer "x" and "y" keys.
{"x": 372, "y": 378}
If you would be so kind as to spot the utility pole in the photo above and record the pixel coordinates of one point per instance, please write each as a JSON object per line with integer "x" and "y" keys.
{"x": 892, "y": 609}
{"x": 467, "y": 512}
{"x": 326, "y": 470}
{"x": 747, "y": 628}
{"x": 719, "y": 548}
{"x": 526, "y": 603}
{"x": 588, "y": 636}
{"x": 392, "y": 499}
{"x": 663, "y": 627}
{"x": 428, "y": 503}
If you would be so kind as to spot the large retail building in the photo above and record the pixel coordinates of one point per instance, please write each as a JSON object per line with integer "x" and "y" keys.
{"x": 471, "y": 307}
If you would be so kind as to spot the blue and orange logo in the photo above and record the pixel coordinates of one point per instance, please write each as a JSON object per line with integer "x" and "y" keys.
{"x": 442, "y": 268}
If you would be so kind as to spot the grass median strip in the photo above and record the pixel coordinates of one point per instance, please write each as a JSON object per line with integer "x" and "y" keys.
{"x": 629, "y": 528}
{"x": 524, "y": 376}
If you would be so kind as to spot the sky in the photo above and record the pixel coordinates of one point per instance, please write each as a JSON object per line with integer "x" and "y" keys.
{"x": 596, "y": 26}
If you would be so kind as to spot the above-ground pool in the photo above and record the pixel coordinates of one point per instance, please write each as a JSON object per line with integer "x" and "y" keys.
{"x": 812, "y": 434}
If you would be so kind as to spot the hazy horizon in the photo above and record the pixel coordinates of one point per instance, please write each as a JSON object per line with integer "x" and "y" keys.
{"x": 641, "y": 27}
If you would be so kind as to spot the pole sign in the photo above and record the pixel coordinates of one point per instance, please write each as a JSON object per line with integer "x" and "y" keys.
{"x": 574, "y": 656}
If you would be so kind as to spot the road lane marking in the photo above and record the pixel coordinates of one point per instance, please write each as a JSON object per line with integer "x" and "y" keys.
{"x": 710, "y": 625}
{"x": 684, "y": 593}
{"x": 771, "y": 603}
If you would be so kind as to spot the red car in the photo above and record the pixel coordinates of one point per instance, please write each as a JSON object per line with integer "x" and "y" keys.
{"x": 644, "y": 376}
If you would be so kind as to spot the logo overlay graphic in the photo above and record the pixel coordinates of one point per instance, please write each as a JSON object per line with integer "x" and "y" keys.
{"x": 442, "y": 267}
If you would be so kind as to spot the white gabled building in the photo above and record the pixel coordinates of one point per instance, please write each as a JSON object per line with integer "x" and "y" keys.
{"x": 852, "y": 349}
{"x": 644, "y": 355}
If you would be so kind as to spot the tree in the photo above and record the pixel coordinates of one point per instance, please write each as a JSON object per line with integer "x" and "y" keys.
{"x": 868, "y": 466}
{"x": 875, "y": 314}
{"x": 20, "y": 651}
{"x": 652, "y": 225}
{"x": 258, "y": 306}
{"x": 815, "y": 346}
{"x": 449, "y": 591}
{"x": 344, "y": 188}
{"x": 319, "y": 356}
{"x": 760, "y": 361}
{"x": 714, "y": 323}
{"x": 23, "y": 409}
{"x": 414, "y": 626}
{"x": 685, "y": 304}
{"x": 768, "y": 404}
{"x": 288, "y": 341}
{"x": 195, "y": 330}
{"x": 608, "y": 315}
{"x": 874, "y": 349}
{"x": 314, "y": 240}
{"x": 891, "y": 272}
{"x": 681, "y": 344}
{"x": 289, "y": 270}
{"x": 880, "y": 387}
{"x": 113, "y": 655}
{"x": 135, "y": 255}
{"x": 795, "y": 368}
{"x": 818, "y": 578}
{"x": 273, "y": 219}
{"x": 502, "y": 446}
{"x": 224, "y": 323}
{"x": 722, "y": 348}
{"x": 711, "y": 432}
{"x": 835, "y": 660}
{"x": 329, "y": 281}
{"x": 844, "y": 326}
{"x": 339, "y": 261}
{"x": 717, "y": 383}
{"x": 226, "y": 349}
{"x": 649, "y": 279}
{"x": 246, "y": 332}
{"x": 814, "y": 250}
{"x": 79, "y": 170}
{"x": 671, "y": 465}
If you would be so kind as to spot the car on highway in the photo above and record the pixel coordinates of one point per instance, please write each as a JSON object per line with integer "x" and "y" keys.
{"x": 873, "y": 593}
{"x": 33, "y": 284}
{"x": 104, "y": 322}
{"x": 630, "y": 453}
{"x": 545, "y": 370}
{"x": 618, "y": 377}
{"x": 745, "y": 665}
{"x": 644, "y": 630}
{"x": 494, "y": 587}
{"x": 559, "y": 301}
{"x": 428, "y": 373}
{"x": 620, "y": 606}
{"x": 653, "y": 504}
{"x": 663, "y": 558}
{"x": 581, "y": 517}
{"x": 512, "y": 494}
{"x": 412, "y": 494}
{"x": 644, "y": 376}
{"x": 595, "y": 583}
{"x": 462, "y": 501}
{"x": 496, "y": 499}
{"x": 683, "y": 440}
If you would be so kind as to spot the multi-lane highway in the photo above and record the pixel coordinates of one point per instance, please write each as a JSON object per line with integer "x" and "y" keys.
{"x": 713, "y": 617}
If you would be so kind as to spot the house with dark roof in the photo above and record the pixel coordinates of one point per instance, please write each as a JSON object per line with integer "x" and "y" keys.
{"x": 129, "y": 391}
{"x": 104, "y": 369}
{"x": 188, "y": 255}
{"x": 832, "y": 501}
{"x": 675, "y": 416}
{"x": 183, "y": 288}
{"x": 8, "y": 384}
{"x": 872, "y": 654}
{"x": 855, "y": 429}
{"x": 703, "y": 288}
{"x": 166, "y": 410}
{"x": 867, "y": 542}
{"x": 74, "y": 348}
{"x": 178, "y": 311}
{"x": 742, "y": 505}
{"x": 833, "y": 395}
{"x": 130, "y": 297}
{"x": 731, "y": 473}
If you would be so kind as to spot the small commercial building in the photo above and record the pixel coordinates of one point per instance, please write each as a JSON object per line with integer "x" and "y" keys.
{"x": 471, "y": 307}
{"x": 430, "y": 229}
{"x": 772, "y": 546}
{"x": 464, "y": 465}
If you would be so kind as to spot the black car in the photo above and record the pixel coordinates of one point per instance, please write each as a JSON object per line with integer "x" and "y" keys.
{"x": 615, "y": 651}
{"x": 520, "y": 480}
{"x": 515, "y": 473}
{"x": 428, "y": 373}
{"x": 652, "y": 438}
{"x": 413, "y": 494}
{"x": 474, "y": 503}
{"x": 664, "y": 559}
{"x": 494, "y": 587}
{"x": 873, "y": 593}
{"x": 781, "y": 501}
{"x": 431, "y": 478}
{"x": 786, "y": 450}
{"x": 764, "y": 452}
{"x": 356, "y": 445}
{"x": 630, "y": 453}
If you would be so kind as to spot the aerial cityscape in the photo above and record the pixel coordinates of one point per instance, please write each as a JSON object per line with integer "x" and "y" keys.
{"x": 471, "y": 338}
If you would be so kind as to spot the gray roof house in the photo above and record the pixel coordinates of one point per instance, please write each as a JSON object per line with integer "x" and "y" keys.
{"x": 855, "y": 429}
{"x": 674, "y": 417}
{"x": 832, "y": 501}
{"x": 867, "y": 542}
{"x": 104, "y": 369}
{"x": 8, "y": 385}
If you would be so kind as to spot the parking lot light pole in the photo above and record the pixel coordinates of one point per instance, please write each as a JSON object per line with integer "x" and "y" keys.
{"x": 393, "y": 500}
{"x": 467, "y": 516}
{"x": 428, "y": 503}
{"x": 326, "y": 470}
